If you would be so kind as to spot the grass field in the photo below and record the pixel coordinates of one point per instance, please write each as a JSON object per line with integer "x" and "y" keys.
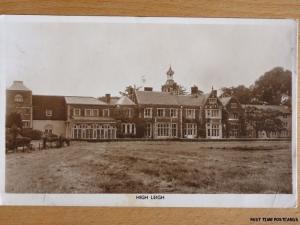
{"x": 153, "y": 167}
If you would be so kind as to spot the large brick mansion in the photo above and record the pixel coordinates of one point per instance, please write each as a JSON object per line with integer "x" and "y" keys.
{"x": 140, "y": 114}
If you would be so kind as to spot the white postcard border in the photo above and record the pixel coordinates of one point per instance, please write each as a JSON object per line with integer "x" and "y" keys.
{"x": 170, "y": 200}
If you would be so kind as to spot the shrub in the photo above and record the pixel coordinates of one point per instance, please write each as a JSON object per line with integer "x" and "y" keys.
{"x": 31, "y": 133}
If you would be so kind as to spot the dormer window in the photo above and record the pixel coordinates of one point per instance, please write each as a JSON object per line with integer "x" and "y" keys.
{"x": 49, "y": 112}
{"x": 18, "y": 98}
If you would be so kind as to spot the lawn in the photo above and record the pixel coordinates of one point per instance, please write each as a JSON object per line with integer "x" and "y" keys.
{"x": 153, "y": 167}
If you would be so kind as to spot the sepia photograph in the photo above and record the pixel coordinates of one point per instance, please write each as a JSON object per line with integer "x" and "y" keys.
{"x": 149, "y": 106}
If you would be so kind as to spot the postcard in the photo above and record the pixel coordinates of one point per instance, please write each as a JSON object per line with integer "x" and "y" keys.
{"x": 143, "y": 111}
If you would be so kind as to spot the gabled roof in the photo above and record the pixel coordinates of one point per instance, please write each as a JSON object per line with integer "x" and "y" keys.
{"x": 225, "y": 100}
{"x": 18, "y": 86}
{"x": 155, "y": 98}
{"x": 124, "y": 100}
{"x": 281, "y": 108}
{"x": 83, "y": 100}
{"x": 41, "y": 103}
{"x": 164, "y": 98}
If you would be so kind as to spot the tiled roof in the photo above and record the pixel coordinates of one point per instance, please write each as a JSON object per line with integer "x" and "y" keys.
{"x": 41, "y": 103}
{"x": 124, "y": 100}
{"x": 83, "y": 100}
{"x": 18, "y": 86}
{"x": 164, "y": 98}
{"x": 190, "y": 100}
{"x": 225, "y": 100}
{"x": 112, "y": 100}
{"x": 281, "y": 108}
{"x": 155, "y": 98}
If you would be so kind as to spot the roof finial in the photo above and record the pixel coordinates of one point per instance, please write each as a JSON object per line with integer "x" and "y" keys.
{"x": 170, "y": 72}
{"x": 212, "y": 87}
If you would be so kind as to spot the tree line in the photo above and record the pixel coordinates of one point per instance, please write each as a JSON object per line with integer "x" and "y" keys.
{"x": 272, "y": 88}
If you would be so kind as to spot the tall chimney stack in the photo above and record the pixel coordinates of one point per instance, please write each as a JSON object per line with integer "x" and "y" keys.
{"x": 107, "y": 97}
{"x": 194, "y": 90}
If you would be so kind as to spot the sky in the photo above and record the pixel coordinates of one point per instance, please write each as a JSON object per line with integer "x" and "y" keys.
{"x": 78, "y": 57}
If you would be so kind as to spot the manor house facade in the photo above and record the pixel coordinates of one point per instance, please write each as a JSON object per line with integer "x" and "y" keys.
{"x": 141, "y": 114}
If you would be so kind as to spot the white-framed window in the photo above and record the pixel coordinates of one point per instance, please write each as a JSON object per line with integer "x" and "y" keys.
{"x": 190, "y": 113}
{"x": 148, "y": 130}
{"x": 26, "y": 123}
{"x": 49, "y": 112}
{"x": 95, "y": 112}
{"x": 174, "y": 130}
{"x": 163, "y": 129}
{"x": 148, "y": 112}
{"x": 88, "y": 112}
{"x": 190, "y": 129}
{"x": 105, "y": 112}
{"x": 130, "y": 112}
{"x": 128, "y": 128}
{"x": 214, "y": 113}
{"x": 234, "y": 132}
{"x": 215, "y": 130}
{"x": 173, "y": 113}
{"x": 94, "y": 131}
{"x": 161, "y": 112}
{"x": 48, "y": 129}
{"x": 76, "y": 112}
{"x": 19, "y": 98}
{"x": 235, "y": 116}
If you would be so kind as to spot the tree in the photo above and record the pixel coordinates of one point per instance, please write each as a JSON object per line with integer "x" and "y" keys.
{"x": 182, "y": 90}
{"x": 242, "y": 93}
{"x": 267, "y": 120}
{"x": 271, "y": 86}
{"x": 14, "y": 119}
{"x": 129, "y": 91}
